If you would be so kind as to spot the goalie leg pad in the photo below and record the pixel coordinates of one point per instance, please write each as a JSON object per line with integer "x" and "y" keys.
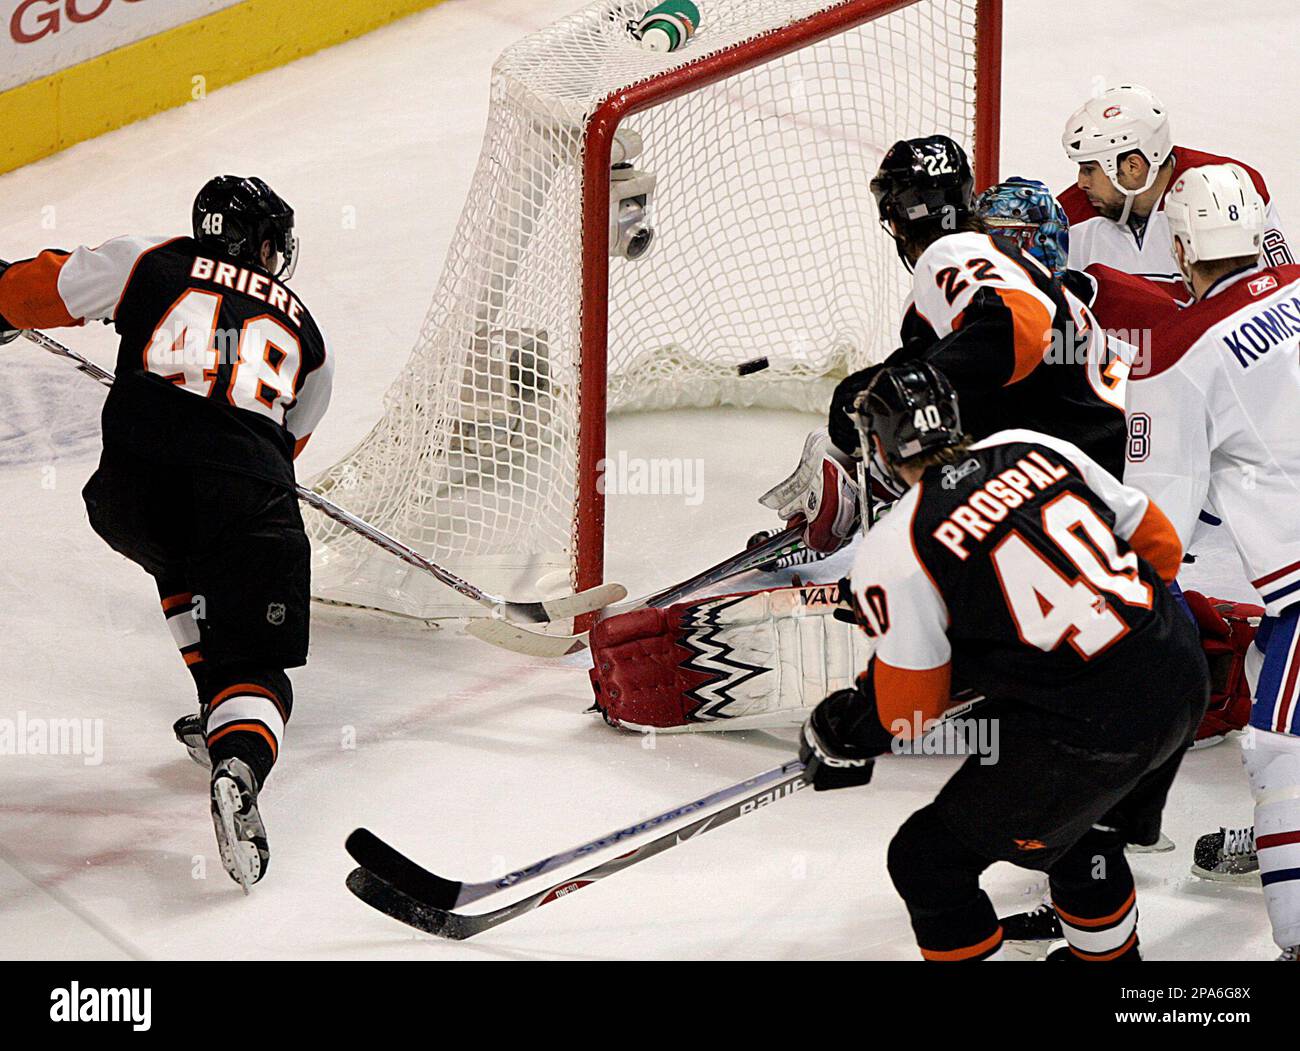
{"x": 729, "y": 662}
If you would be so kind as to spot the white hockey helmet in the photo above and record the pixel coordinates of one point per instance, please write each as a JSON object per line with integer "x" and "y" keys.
{"x": 1216, "y": 213}
{"x": 1119, "y": 121}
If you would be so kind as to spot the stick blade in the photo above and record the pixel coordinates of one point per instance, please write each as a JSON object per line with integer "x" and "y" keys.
{"x": 520, "y": 640}
{"x": 400, "y": 872}
{"x": 588, "y": 601}
{"x": 393, "y": 903}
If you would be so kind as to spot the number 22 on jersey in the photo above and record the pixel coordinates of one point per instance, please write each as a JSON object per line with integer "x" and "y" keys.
{"x": 188, "y": 349}
{"x": 1048, "y": 608}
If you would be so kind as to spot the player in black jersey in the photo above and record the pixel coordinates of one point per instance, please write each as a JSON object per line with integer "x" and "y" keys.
{"x": 1020, "y": 349}
{"x": 1012, "y": 342}
{"x": 1017, "y": 568}
{"x": 222, "y": 375}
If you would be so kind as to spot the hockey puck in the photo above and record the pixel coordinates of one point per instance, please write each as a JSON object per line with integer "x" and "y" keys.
{"x": 748, "y": 368}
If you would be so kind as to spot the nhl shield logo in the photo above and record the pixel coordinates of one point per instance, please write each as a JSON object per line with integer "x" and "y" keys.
{"x": 275, "y": 613}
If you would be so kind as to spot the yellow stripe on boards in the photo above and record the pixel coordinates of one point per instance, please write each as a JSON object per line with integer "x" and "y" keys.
{"x": 159, "y": 72}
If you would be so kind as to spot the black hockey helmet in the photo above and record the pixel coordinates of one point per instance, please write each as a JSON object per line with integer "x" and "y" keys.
{"x": 912, "y": 409}
{"x": 236, "y": 215}
{"x": 921, "y": 185}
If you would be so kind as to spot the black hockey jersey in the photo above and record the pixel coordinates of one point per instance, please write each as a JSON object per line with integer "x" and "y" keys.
{"x": 219, "y": 365}
{"x": 1017, "y": 572}
{"x": 1020, "y": 350}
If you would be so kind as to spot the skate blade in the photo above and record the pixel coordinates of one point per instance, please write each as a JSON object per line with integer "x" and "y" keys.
{"x": 238, "y": 858}
{"x": 1027, "y": 950}
{"x": 1163, "y": 845}
{"x": 1243, "y": 878}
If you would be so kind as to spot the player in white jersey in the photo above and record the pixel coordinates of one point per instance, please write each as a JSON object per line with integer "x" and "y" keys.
{"x": 1213, "y": 414}
{"x": 1127, "y": 162}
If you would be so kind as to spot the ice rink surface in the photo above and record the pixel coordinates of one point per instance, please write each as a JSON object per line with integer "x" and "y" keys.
{"x": 475, "y": 761}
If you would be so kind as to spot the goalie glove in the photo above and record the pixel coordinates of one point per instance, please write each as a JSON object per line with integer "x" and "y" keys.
{"x": 841, "y": 740}
{"x": 822, "y": 493}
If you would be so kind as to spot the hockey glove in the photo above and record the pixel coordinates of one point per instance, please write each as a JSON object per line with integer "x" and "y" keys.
{"x": 822, "y": 493}
{"x": 1227, "y": 631}
{"x": 841, "y": 739}
{"x": 843, "y": 432}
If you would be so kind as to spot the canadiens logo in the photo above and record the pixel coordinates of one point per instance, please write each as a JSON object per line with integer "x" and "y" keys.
{"x": 1265, "y": 283}
{"x": 1112, "y": 112}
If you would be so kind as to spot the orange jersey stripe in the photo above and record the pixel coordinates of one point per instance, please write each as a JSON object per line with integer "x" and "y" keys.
{"x": 29, "y": 293}
{"x": 245, "y": 689}
{"x": 902, "y": 692}
{"x": 1032, "y": 326}
{"x": 256, "y": 728}
{"x": 1102, "y": 921}
{"x": 1102, "y": 957}
{"x": 1156, "y": 540}
{"x": 969, "y": 952}
{"x": 172, "y": 601}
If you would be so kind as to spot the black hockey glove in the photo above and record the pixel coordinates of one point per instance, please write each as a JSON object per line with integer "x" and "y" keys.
{"x": 8, "y": 333}
{"x": 841, "y": 739}
{"x": 840, "y": 424}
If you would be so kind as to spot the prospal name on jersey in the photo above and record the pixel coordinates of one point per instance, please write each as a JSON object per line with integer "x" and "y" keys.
{"x": 248, "y": 282}
{"x": 992, "y": 501}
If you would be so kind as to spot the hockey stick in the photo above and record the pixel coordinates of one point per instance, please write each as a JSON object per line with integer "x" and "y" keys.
{"x": 562, "y": 608}
{"x": 401, "y": 906}
{"x": 539, "y": 644}
{"x": 434, "y": 892}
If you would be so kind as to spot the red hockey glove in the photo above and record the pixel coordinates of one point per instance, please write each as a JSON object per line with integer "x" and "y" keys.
{"x": 1227, "y": 631}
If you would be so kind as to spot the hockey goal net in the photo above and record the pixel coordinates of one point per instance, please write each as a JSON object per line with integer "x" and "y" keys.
{"x": 760, "y": 136}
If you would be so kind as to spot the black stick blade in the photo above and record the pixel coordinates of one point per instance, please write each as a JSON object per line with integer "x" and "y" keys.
{"x": 400, "y": 872}
{"x": 396, "y": 905}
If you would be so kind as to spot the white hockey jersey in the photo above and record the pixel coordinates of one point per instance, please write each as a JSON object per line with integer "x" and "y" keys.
{"x": 1216, "y": 413}
{"x": 1096, "y": 239}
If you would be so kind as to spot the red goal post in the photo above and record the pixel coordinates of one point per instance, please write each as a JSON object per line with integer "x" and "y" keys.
{"x": 590, "y": 518}
{"x": 756, "y": 143}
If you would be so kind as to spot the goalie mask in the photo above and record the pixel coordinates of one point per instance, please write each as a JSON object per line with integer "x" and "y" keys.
{"x": 1024, "y": 212}
{"x": 912, "y": 410}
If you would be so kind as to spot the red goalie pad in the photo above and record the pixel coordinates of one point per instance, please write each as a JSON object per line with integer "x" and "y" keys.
{"x": 1227, "y": 631}
{"x": 726, "y": 662}
{"x": 641, "y": 675}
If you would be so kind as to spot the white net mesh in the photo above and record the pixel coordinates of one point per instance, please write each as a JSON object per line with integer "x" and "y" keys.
{"x": 766, "y": 246}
